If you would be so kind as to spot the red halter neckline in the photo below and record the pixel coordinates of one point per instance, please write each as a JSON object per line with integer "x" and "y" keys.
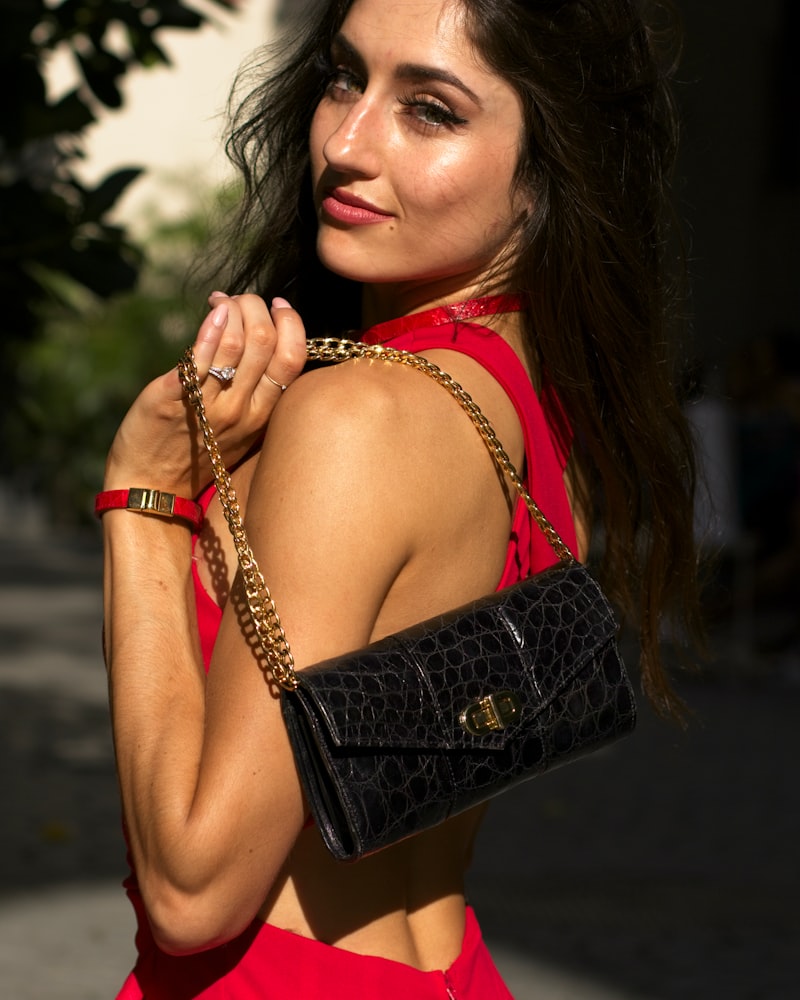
{"x": 487, "y": 305}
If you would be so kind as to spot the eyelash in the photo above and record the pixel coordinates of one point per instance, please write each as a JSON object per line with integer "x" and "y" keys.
{"x": 446, "y": 117}
{"x": 443, "y": 116}
{"x": 338, "y": 74}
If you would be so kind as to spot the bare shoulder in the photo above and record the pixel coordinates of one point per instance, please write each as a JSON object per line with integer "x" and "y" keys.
{"x": 370, "y": 433}
{"x": 358, "y": 390}
{"x": 347, "y": 494}
{"x": 379, "y": 400}
{"x": 371, "y": 420}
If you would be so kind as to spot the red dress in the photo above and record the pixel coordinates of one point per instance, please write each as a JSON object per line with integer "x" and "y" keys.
{"x": 266, "y": 962}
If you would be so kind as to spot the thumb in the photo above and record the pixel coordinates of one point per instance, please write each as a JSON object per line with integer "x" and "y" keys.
{"x": 289, "y": 356}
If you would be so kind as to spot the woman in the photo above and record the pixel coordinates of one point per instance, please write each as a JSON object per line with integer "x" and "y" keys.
{"x": 481, "y": 183}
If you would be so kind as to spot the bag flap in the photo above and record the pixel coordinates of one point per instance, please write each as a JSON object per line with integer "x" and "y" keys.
{"x": 426, "y": 687}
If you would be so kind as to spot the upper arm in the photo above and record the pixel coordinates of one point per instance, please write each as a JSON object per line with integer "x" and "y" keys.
{"x": 323, "y": 524}
{"x": 323, "y": 514}
{"x": 341, "y": 512}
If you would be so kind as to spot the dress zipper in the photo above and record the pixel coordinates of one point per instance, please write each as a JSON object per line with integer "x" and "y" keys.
{"x": 448, "y": 986}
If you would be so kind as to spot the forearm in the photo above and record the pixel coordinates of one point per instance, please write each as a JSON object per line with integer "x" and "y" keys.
{"x": 156, "y": 681}
{"x": 195, "y": 807}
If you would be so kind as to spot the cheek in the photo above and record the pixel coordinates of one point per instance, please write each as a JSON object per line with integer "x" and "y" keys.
{"x": 465, "y": 199}
{"x": 449, "y": 182}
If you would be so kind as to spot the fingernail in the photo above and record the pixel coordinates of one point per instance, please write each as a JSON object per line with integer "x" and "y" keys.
{"x": 219, "y": 316}
{"x": 216, "y": 295}
{"x": 280, "y": 303}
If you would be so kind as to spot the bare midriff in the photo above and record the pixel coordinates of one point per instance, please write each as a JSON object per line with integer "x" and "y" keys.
{"x": 405, "y": 903}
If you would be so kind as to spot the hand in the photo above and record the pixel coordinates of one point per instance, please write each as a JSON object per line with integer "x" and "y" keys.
{"x": 158, "y": 444}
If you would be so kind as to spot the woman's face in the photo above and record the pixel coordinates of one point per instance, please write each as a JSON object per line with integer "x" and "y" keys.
{"x": 413, "y": 152}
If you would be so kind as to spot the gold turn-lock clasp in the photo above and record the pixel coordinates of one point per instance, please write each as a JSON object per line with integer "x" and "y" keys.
{"x": 153, "y": 501}
{"x": 493, "y": 712}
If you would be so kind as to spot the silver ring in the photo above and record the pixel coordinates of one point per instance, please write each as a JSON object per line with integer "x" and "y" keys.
{"x": 225, "y": 375}
{"x": 276, "y": 384}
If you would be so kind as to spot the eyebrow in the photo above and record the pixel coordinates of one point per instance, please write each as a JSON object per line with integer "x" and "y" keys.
{"x": 412, "y": 72}
{"x": 415, "y": 73}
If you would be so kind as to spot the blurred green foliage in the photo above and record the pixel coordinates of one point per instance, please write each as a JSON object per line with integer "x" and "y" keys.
{"x": 53, "y": 227}
{"x": 93, "y": 355}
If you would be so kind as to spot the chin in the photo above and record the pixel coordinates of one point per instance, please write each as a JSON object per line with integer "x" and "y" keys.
{"x": 356, "y": 269}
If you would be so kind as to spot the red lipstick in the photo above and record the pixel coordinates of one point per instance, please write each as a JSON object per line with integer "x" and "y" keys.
{"x": 345, "y": 207}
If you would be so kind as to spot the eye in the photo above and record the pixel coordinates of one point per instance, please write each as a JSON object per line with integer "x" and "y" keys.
{"x": 431, "y": 113}
{"x": 342, "y": 83}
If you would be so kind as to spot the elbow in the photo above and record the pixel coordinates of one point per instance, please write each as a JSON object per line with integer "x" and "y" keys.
{"x": 200, "y": 897}
{"x": 185, "y": 922}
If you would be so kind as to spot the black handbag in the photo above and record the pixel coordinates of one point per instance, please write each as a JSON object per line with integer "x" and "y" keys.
{"x": 397, "y": 737}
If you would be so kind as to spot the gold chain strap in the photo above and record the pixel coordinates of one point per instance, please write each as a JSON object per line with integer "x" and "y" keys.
{"x": 266, "y": 619}
{"x": 265, "y": 616}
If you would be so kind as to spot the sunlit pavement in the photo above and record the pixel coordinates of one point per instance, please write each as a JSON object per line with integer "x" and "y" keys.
{"x": 74, "y": 942}
{"x": 662, "y": 868}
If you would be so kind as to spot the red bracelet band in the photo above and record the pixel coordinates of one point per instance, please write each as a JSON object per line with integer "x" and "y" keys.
{"x": 148, "y": 501}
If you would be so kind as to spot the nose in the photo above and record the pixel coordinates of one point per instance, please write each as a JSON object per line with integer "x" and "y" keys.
{"x": 353, "y": 142}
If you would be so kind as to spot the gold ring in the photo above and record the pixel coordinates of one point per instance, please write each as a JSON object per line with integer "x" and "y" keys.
{"x": 277, "y": 385}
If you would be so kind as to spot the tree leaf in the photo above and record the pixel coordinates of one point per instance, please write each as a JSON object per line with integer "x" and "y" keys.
{"x": 172, "y": 14}
{"x": 101, "y": 71}
{"x": 104, "y": 196}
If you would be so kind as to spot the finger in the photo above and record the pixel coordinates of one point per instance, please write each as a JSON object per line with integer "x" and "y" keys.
{"x": 260, "y": 338}
{"x": 230, "y": 347}
{"x": 209, "y": 337}
{"x": 289, "y": 355}
{"x": 227, "y": 353}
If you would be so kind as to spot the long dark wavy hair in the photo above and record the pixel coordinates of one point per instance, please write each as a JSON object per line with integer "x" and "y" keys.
{"x": 597, "y": 154}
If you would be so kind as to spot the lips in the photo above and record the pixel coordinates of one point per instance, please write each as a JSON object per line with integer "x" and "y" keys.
{"x": 343, "y": 206}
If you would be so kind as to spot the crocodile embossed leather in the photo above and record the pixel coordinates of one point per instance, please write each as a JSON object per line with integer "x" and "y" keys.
{"x": 424, "y": 724}
{"x": 379, "y": 736}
